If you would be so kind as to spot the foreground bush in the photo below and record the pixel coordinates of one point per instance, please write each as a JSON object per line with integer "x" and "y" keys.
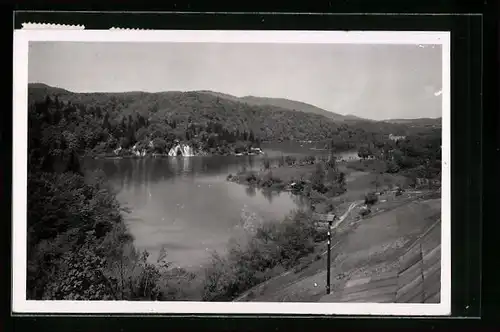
{"x": 79, "y": 248}
{"x": 271, "y": 249}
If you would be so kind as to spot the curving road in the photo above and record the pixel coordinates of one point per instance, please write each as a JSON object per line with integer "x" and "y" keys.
{"x": 342, "y": 218}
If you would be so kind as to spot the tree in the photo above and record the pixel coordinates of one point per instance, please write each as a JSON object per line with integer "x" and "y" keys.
{"x": 154, "y": 108}
{"x": 371, "y": 199}
{"x": 125, "y": 143}
{"x": 332, "y": 161}
{"x": 290, "y": 160}
{"x": 331, "y": 175}
{"x": 363, "y": 152}
{"x": 159, "y": 145}
{"x": 392, "y": 167}
{"x": 142, "y": 133}
{"x": 105, "y": 121}
{"x": 240, "y": 147}
{"x": 376, "y": 182}
{"x": 318, "y": 177}
{"x": 341, "y": 181}
{"x": 141, "y": 121}
{"x": 281, "y": 161}
{"x": 251, "y": 136}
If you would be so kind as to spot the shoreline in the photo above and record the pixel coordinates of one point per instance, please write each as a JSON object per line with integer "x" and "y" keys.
{"x": 164, "y": 155}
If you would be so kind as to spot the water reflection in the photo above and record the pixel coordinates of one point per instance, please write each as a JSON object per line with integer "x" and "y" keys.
{"x": 268, "y": 194}
{"x": 186, "y": 204}
{"x": 251, "y": 191}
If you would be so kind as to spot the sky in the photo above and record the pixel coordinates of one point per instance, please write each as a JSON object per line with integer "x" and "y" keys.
{"x": 371, "y": 81}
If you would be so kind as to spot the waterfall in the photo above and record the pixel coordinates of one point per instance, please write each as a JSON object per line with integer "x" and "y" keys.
{"x": 187, "y": 151}
{"x": 184, "y": 149}
{"x": 173, "y": 151}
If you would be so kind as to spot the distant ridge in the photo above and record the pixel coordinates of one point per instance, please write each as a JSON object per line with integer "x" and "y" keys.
{"x": 418, "y": 121}
{"x": 354, "y": 117}
{"x": 40, "y": 90}
{"x": 293, "y": 105}
{"x": 220, "y": 95}
{"x": 413, "y": 120}
{"x": 47, "y": 88}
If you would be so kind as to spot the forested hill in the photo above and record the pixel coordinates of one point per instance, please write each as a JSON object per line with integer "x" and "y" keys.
{"x": 266, "y": 121}
{"x": 206, "y": 120}
{"x": 422, "y": 122}
{"x": 293, "y": 105}
{"x": 288, "y": 104}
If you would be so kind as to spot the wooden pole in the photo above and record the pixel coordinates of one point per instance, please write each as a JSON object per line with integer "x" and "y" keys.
{"x": 329, "y": 218}
{"x": 328, "y": 258}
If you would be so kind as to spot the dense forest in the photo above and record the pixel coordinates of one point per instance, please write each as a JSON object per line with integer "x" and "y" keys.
{"x": 207, "y": 122}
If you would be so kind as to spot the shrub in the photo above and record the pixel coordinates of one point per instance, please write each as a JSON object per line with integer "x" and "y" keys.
{"x": 240, "y": 147}
{"x": 251, "y": 178}
{"x": 290, "y": 160}
{"x": 309, "y": 160}
{"x": 302, "y": 265}
{"x": 273, "y": 248}
{"x": 365, "y": 211}
{"x": 371, "y": 199}
{"x": 281, "y": 161}
{"x": 82, "y": 278}
{"x": 392, "y": 167}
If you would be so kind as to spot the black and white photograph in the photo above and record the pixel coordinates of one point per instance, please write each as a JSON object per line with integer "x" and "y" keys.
{"x": 231, "y": 172}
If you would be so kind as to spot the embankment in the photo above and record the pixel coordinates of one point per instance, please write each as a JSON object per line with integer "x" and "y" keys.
{"x": 364, "y": 248}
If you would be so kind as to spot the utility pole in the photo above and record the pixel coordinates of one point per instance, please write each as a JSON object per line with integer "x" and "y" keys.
{"x": 328, "y": 256}
{"x": 328, "y": 218}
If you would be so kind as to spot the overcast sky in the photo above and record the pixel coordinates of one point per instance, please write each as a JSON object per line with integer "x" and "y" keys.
{"x": 370, "y": 81}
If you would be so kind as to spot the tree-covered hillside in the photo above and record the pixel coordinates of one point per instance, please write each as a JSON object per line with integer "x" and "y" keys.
{"x": 421, "y": 122}
{"x": 293, "y": 105}
{"x": 210, "y": 123}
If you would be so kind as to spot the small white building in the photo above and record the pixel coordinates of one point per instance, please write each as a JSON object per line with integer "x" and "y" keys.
{"x": 256, "y": 150}
{"x": 396, "y": 138}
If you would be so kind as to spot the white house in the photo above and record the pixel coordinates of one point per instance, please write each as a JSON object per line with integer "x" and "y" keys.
{"x": 396, "y": 138}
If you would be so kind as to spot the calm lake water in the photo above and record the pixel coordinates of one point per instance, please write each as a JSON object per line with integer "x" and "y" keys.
{"x": 186, "y": 205}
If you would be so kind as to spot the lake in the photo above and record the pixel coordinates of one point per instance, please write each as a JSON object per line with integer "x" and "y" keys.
{"x": 186, "y": 205}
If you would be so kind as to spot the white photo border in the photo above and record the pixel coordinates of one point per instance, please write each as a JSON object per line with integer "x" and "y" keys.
{"x": 20, "y": 305}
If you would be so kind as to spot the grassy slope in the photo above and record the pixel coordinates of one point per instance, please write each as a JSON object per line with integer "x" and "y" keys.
{"x": 366, "y": 247}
